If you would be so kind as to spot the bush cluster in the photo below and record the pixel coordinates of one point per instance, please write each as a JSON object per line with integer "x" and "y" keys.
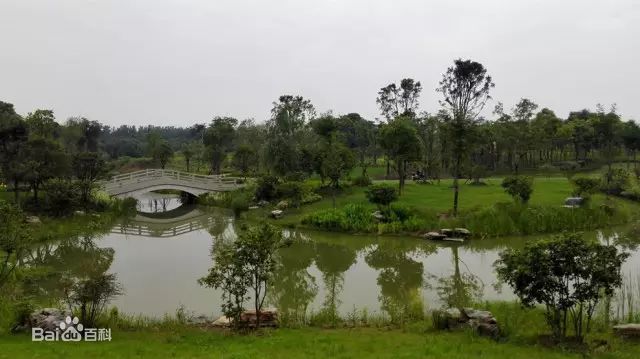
{"x": 358, "y": 218}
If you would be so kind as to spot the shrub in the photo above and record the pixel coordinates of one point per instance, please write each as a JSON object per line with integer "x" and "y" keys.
{"x": 266, "y": 188}
{"x": 616, "y": 181}
{"x": 240, "y": 203}
{"x": 293, "y": 191}
{"x": 586, "y": 186}
{"x": 357, "y": 217}
{"x": 518, "y": 187}
{"x": 401, "y": 212}
{"x": 310, "y": 197}
{"x": 361, "y": 181}
{"x": 567, "y": 273}
{"x": 381, "y": 195}
{"x": 89, "y": 296}
{"x": 125, "y": 207}
{"x": 329, "y": 219}
{"x": 62, "y": 196}
{"x": 476, "y": 174}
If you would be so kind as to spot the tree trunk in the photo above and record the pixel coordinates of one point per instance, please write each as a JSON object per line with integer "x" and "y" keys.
{"x": 455, "y": 195}
{"x": 16, "y": 192}
{"x": 35, "y": 193}
{"x": 388, "y": 167}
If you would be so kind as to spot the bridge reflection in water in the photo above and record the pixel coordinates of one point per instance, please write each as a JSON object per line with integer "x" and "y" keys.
{"x": 171, "y": 223}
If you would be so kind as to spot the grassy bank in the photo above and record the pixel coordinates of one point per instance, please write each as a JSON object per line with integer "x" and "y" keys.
{"x": 486, "y": 209}
{"x": 289, "y": 343}
{"x": 523, "y": 338}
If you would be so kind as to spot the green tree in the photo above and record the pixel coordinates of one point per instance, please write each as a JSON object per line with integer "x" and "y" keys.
{"x": 89, "y": 296}
{"x": 286, "y": 133}
{"x": 15, "y": 239}
{"x": 243, "y": 266}
{"x": 88, "y": 168}
{"x": 218, "y": 139}
{"x": 631, "y": 139}
{"x": 188, "y": 152}
{"x": 44, "y": 159}
{"x": 163, "y": 153}
{"x": 465, "y": 88}
{"x": 518, "y": 187}
{"x": 257, "y": 247}
{"x": 401, "y": 141}
{"x": 360, "y": 137}
{"x": 42, "y": 123}
{"x": 567, "y": 274}
{"x": 608, "y": 129}
{"x": 585, "y": 186}
{"x": 13, "y": 138}
{"x": 399, "y": 100}
{"x": 290, "y": 114}
{"x": 382, "y": 195}
{"x": 244, "y": 159}
{"x": 62, "y": 196}
{"x": 229, "y": 274}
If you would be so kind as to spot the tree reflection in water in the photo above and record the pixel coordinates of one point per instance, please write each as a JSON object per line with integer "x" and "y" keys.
{"x": 52, "y": 269}
{"x": 462, "y": 288}
{"x": 293, "y": 288}
{"x": 333, "y": 260}
{"x": 400, "y": 278}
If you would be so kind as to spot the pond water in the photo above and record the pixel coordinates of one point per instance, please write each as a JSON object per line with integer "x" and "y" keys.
{"x": 159, "y": 255}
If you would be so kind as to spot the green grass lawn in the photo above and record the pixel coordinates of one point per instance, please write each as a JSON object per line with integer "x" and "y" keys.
{"x": 439, "y": 197}
{"x": 430, "y": 199}
{"x": 294, "y": 343}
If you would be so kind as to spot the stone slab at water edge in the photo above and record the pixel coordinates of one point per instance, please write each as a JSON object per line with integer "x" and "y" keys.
{"x": 447, "y": 234}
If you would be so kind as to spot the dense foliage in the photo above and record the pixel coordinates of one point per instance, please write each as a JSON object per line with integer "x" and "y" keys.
{"x": 518, "y": 187}
{"x": 245, "y": 266}
{"x": 567, "y": 274}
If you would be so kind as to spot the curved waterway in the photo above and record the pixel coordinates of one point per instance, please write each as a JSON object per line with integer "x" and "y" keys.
{"x": 159, "y": 255}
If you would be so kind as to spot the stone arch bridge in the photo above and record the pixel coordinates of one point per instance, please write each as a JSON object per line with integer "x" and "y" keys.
{"x": 136, "y": 183}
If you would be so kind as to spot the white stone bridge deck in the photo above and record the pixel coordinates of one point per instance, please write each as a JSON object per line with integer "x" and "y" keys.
{"x": 135, "y": 183}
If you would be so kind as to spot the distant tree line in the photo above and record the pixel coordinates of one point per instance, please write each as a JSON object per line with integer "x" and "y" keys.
{"x": 295, "y": 142}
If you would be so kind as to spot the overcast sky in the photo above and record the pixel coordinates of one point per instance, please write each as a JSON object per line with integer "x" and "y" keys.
{"x": 181, "y": 62}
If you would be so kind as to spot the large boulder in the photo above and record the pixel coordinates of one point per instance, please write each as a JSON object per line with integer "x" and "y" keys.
{"x": 33, "y": 220}
{"x": 481, "y": 321}
{"x": 378, "y": 216}
{"x": 630, "y": 331}
{"x": 48, "y": 318}
{"x": 222, "y": 322}
{"x": 200, "y": 320}
{"x": 268, "y": 317}
{"x": 277, "y": 213}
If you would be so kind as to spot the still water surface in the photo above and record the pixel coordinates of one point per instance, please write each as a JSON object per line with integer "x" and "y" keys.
{"x": 159, "y": 255}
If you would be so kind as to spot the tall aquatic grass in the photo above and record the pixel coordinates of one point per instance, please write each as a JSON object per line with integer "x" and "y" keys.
{"x": 505, "y": 219}
{"x": 501, "y": 219}
{"x": 627, "y": 301}
{"x": 357, "y": 218}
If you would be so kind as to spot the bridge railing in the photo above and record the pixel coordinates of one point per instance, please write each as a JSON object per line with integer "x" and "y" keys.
{"x": 178, "y": 175}
{"x": 131, "y": 181}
